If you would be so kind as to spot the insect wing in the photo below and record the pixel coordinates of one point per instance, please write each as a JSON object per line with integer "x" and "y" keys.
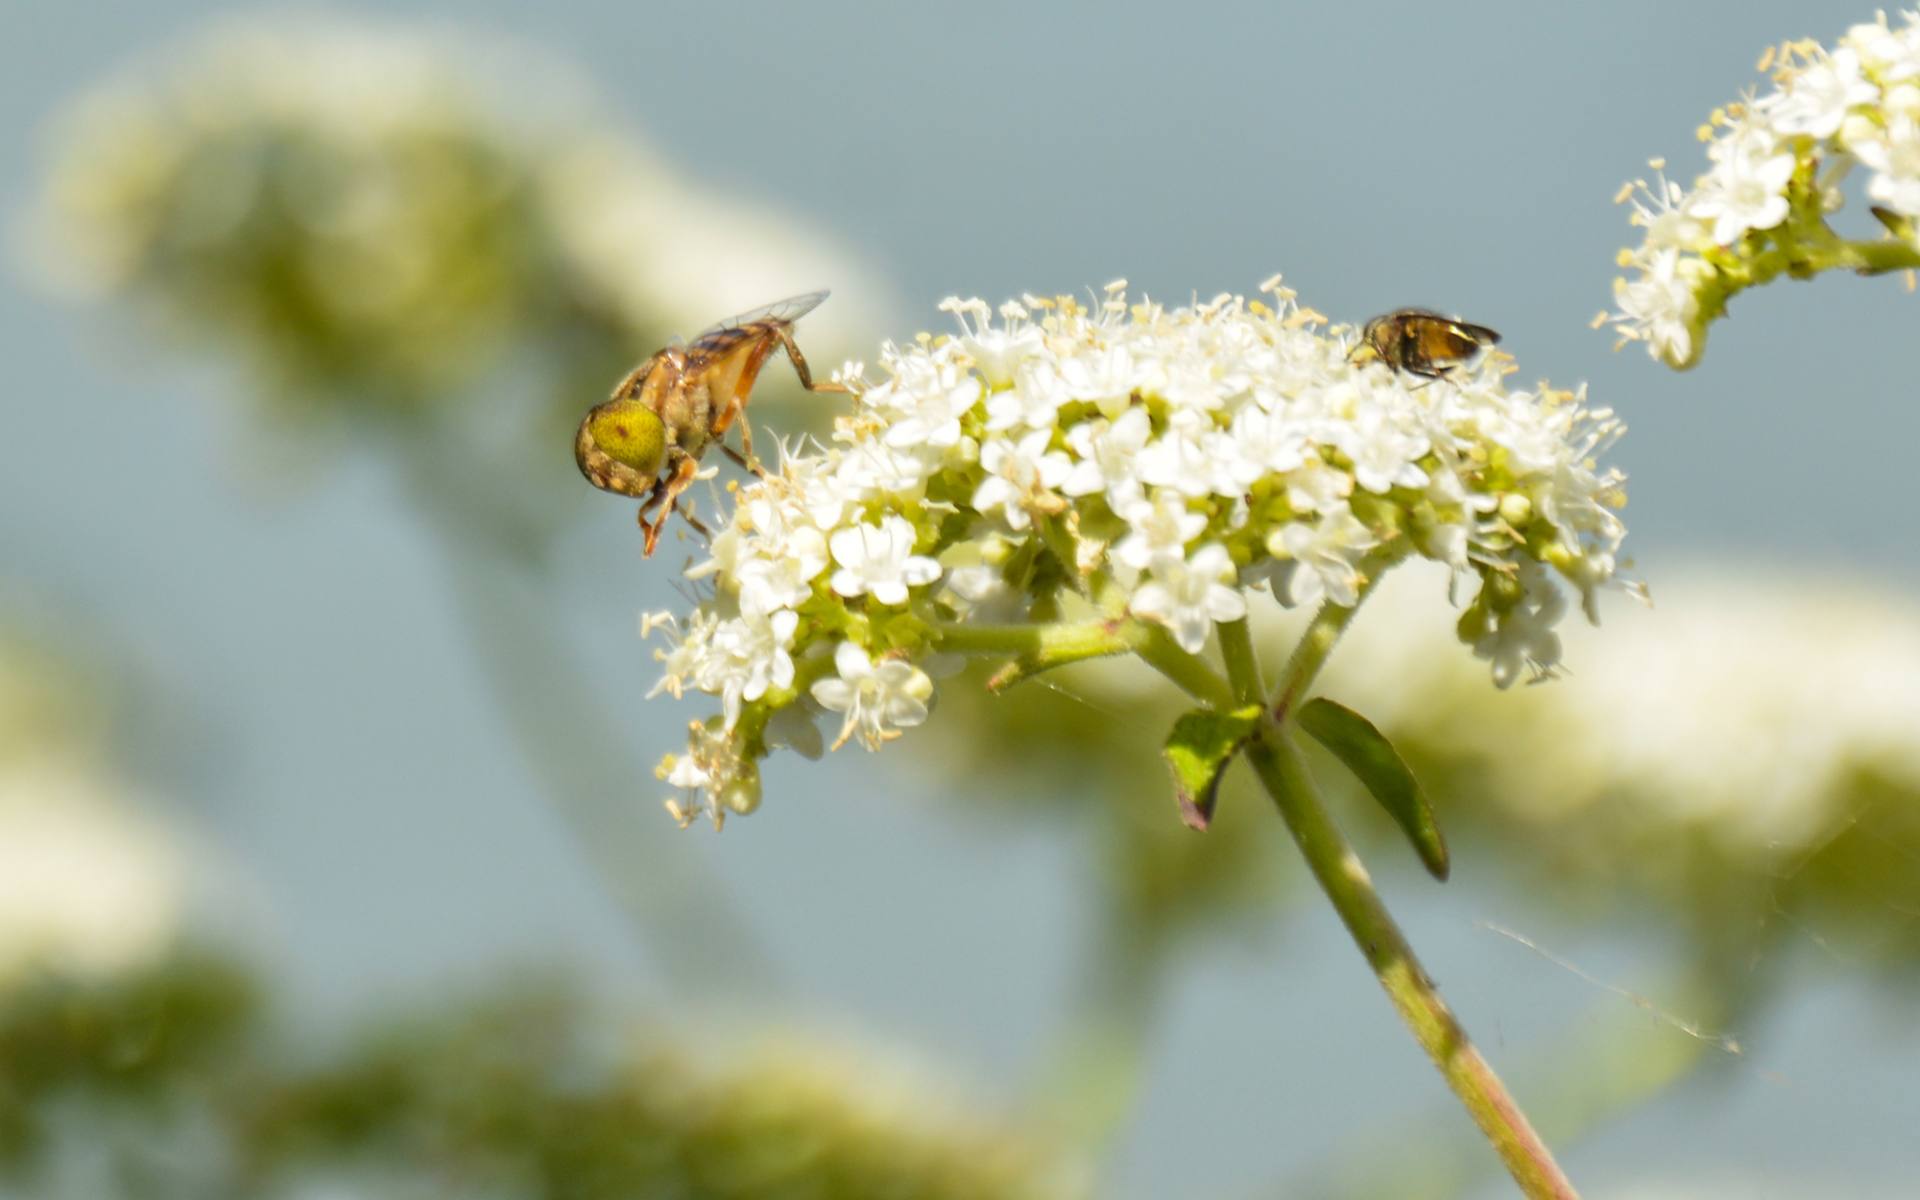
{"x": 1479, "y": 333}
{"x": 1444, "y": 341}
{"x": 785, "y": 312}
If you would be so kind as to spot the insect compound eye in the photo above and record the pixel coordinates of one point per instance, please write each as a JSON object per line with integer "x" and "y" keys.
{"x": 629, "y": 433}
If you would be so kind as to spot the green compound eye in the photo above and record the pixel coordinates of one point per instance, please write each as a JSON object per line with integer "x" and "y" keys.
{"x": 629, "y": 433}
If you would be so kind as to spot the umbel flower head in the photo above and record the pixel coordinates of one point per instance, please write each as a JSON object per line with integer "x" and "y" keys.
{"x": 1126, "y": 472}
{"x": 1776, "y": 164}
{"x": 367, "y": 213}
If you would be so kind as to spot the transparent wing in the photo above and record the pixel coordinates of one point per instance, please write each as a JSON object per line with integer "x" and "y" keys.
{"x": 785, "y": 311}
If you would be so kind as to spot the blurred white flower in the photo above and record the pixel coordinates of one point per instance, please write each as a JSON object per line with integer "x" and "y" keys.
{"x": 1739, "y": 706}
{"x": 384, "y": 207}
{"x": 1821, "y": 96}
{"x": 87, "y": 887}
{"x": 1892, "y": 150}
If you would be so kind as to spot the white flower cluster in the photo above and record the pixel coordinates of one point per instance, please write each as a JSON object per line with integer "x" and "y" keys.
{"x": 1148, "y": 463}
{"x": 374, "y": 197}
{"x": 1755, "y": 711}
{"x": 1777, "y": 161}
{"x": 88, "y": 887}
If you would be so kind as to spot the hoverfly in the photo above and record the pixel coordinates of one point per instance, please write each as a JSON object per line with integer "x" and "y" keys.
{"x": 646, "y": 440}
{"x": 1421, "y": 342}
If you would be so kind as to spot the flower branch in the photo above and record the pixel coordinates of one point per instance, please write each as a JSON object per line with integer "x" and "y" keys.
{"x": 1074, "y": 484}
{"x": 1777, "y": 164}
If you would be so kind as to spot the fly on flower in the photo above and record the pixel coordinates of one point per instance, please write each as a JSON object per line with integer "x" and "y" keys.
{"x": 646, "y": 441}
{"x": 1421, "y": 342}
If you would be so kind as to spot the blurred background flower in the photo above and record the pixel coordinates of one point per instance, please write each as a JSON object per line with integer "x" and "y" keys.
{"x": 402, "y": 701}
{"x": 366, "y": 217}
{"x": 91, "y": 885}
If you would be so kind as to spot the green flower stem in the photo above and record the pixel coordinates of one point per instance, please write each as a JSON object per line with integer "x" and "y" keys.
{"x": 1303, "y": 666}
{"x": 1345, "y": 880}
{"x": 1035, "y": 646}
{"x": 1814, "y": 250}
{"x": 1308, "y": 656}
{"x": 1599, "y": 1078}
{"x": 1348, "y": 886}
{"x": 1869, "y": 258}
{"x": 1243, "y": 666}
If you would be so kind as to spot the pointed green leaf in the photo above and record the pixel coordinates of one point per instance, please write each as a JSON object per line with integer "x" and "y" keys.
{"x": 1898, "y": 224}
{"x": 1371, "y": 757}
{"x": 1198, "y": 750}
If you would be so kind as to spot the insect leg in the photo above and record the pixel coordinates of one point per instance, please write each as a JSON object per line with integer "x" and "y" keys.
{"x": 799, "y": 362}
{"x": 746, "y": 445}
{"x": 667, "y": 493}
{"x": 745, "y": 460}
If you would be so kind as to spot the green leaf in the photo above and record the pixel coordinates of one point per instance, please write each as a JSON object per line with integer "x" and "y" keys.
{"x": 1371, "y": 757}
{"x": 1198, "y": 750}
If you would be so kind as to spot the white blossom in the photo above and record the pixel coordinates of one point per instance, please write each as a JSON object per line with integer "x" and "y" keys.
{"x": 1384, "y": 448}
{"x": 1103, "y": 375}
{"x": 1525, "y": 638}
{"x": 878, "y": 561}
{"x": 748, "y": 657}
{"x": 1188, "y": 595}
{"x": 995, "y": 351}
{"x": 1660, "y": 306}
{"x": 878, "y": 700}
{"x": 1180, "y": 458}
{"x": 1326, "y": 553}
{"x": 1107, "y": 451}
{"x": 1893, "y": 151}
{"x": 1261, "y": 443}
{"x": 1158, "y": 529}
{"x": 1830, "y": 112}
{"x": 1746, "y": 191}
{"x": 1821, "y": 96}
{"x": 935, "y": 420}
{"x": 1317, "y": 487}
{"x": 1021, "y": 478}
{"x": 1037, "y": 393}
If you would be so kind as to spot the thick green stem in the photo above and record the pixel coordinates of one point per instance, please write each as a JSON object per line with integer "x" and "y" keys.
{"x": 1054, "y": 644}
{"x": 1346, "y": 882}
{"x": 1348, "y": 886}
{"x": 1875, "y": 258}
{"x": 1322, "y": 633}
{"x": 1243, "y": 665}
{"x": 1309, "y": 656}
{"x": 1813, "y": 249}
